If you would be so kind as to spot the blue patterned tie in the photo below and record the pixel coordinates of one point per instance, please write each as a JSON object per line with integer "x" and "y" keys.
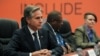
{"x": 90, "y": 34}
{"x": 59, "y": 39}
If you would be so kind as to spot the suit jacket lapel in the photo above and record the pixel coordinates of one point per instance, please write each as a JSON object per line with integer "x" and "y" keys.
{"x": 86, "y": 38}
{"x": 29, "y": 38}
{"x": 41, "y": 38}
{"x": 51, "y": 31}
{"x": 48, "y": 26}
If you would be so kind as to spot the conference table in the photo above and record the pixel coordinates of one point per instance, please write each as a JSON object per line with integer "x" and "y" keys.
{"x": 74, "y": 53}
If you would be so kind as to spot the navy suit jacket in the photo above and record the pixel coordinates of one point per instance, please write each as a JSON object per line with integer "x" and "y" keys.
{"x": 66, "y": 33}
{"x": 47, "y": 27}
{"x": 1, "y": 50}
{"x": 22, "y": 43}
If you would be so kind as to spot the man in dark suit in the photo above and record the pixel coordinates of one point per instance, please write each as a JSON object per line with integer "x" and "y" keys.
{"x": 53, "y": 24}
{"x": 1, "y": 50}
{"x": 31, "y": 40}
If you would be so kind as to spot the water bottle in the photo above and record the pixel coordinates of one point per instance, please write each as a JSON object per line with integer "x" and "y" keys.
{"x": 79, "y": 51}
{"x": 96, "y": 49}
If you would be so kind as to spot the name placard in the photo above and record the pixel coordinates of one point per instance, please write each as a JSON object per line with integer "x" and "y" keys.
{"x": 91, "y": 52}
{"x": 75, "y": 55}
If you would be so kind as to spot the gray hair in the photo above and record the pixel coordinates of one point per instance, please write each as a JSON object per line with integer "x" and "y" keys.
{"x": 29, "y": 10}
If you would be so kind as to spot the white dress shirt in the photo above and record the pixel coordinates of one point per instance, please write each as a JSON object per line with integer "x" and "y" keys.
{"x": 31, "y": 32}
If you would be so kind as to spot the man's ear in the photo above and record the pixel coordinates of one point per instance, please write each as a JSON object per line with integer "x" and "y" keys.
{"x": 28, "y": 20}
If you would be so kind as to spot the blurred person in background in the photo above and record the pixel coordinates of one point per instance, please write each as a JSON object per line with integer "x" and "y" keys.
{"x": 53, "y": 24}
{"x": 85, "y": 35}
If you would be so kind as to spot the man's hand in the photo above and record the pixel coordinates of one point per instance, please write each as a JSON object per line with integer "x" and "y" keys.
{"x": 69, "y": 48}
{"x": 98, "y": 43}
{"x": 43, "y": 52}
{"x": 64, "y": 49}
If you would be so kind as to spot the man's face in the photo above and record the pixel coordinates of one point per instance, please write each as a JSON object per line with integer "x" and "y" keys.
{"x": 36, "y": 21}
{"x": 90, "y": 21}
{"x": 57, "y": 24}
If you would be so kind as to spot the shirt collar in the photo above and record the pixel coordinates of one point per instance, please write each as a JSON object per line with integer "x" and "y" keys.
{"x": 51, "y": 27}
{"x": 87, "y": 28}
{"x": 31, "y": 31}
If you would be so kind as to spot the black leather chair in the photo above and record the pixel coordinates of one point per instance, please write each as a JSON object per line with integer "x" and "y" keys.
{"x": 7, "y": 28}
{"x": 67, "y": 34}
{"x": 66, "y": 29}
{"x": 23, "y": 21}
